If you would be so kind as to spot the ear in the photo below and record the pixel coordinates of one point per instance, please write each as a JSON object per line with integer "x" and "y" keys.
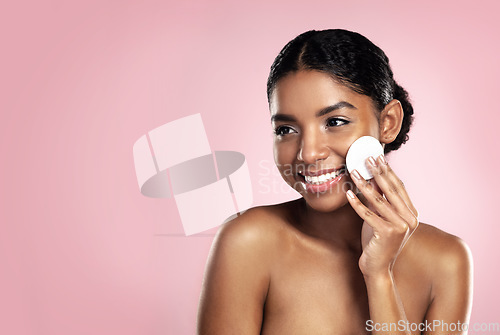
{"x": 390, "y": 121}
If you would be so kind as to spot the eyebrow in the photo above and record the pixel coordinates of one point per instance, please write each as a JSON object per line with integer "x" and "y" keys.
{"x": 324, "y": 111}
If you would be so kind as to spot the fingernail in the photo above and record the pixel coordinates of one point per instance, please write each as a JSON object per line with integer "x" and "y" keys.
{"x": 357, "y": 175}
{"x": 372, "y": 161}
{"x": 382, "y": 160}
{"x": 351, "y": 194}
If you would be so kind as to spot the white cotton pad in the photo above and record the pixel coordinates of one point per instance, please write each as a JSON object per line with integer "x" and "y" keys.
{"x": 359, "y": 151}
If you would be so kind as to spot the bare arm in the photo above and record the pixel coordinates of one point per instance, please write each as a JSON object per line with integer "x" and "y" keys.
{"x": 387, "y": 315}
{"x": 236, "y": 280}
{"x": 388, "y": 223}
{"x": 449, "y": 259}
{"x": 451, "y": 290}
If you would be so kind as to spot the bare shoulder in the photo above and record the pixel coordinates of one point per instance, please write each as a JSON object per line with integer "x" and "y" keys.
{"x": 439, "y": 247}
{"x": 438, "y": 255}
{"x": 441, "y": 265}
{"x": 258, "y": 228}
{"x": 238, "y": 272}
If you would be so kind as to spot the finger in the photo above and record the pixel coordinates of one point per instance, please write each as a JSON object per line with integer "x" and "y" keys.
{"x": 391, "y": 191}
{"x": 397, "y": 184}
{"x": 372, "y": 219}
{"x": 375, "y": 186}
{"x": 378, "y": 201}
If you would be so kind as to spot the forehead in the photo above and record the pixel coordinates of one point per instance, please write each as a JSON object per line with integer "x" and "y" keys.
{"x": 309, "y": 91}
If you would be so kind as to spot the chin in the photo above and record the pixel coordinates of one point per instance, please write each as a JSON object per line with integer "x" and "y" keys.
{"x": 328, "y": 201}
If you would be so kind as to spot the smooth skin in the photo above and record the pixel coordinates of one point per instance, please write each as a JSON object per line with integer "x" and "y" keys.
{"x": 352, "y": 260}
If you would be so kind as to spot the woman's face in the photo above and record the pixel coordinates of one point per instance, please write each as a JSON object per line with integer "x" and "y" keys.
{"x": 315, "y": 120}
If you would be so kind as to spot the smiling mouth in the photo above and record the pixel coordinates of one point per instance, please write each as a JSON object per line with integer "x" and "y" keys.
{"x": 318, "y": 179}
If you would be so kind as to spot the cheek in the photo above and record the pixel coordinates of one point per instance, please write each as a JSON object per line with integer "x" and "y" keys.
{"x": 285, "y": 157}
{"x": 340, "y": 143}
{"x": 284, "y": 153}
{"x": 372, "y": 127}
{"x": 366, "y": 123}
{"x": 369, "y": 127}
{"x": 344, "y": 144}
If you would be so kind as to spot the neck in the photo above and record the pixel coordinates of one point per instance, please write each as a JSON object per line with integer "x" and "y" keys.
{"x": 342, "y": 226}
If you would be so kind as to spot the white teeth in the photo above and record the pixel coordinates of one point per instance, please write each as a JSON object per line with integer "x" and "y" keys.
{"x": 322, "y": 178}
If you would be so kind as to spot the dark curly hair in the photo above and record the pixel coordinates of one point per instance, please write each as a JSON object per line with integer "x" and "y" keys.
{"x": 350, "y": 59}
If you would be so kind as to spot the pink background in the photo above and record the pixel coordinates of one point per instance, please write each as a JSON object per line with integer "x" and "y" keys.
{"x": 83, "y": 252}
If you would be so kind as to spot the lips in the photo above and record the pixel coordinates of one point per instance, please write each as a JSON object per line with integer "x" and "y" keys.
{"x": 321, "y": 180}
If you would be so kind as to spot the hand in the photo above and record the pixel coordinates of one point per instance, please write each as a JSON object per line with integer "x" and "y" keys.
{"x": 389, "y": 220}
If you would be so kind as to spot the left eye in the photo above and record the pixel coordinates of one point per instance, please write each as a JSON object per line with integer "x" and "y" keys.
{"x": 335, "y": 122}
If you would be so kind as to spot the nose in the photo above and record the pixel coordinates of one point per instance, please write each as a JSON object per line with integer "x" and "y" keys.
{"x": 312, "y": 148}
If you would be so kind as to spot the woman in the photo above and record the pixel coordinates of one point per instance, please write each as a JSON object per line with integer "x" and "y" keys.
{"x": 349, "y": 256}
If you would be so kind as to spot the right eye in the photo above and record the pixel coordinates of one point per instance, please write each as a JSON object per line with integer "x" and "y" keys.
{"x": 284, "y": 130}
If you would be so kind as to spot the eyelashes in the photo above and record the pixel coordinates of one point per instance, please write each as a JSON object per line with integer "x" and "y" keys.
{"x": 336, "y": 122}
{"x": 283, "y": 130}
{"x": 332, "y": 122}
